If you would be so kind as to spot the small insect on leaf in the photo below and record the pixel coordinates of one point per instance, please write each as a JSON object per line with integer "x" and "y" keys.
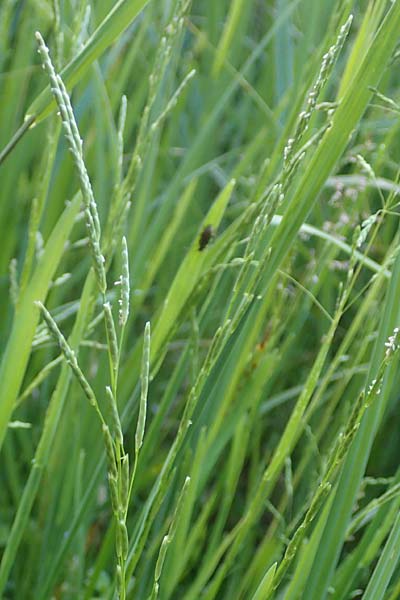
{"x": 206, "y": 235}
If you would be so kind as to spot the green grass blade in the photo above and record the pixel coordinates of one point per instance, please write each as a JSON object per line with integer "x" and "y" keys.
{"x": 189, "y": 273}
{"x": 41, "y": 457}
{"x": 117, "y": 20}
{"x": 355, "y": 464}
{"x": 16, "y": 355}
{"x": 232, "y": 22}
{"x": 387, "y": 563}
{"x": 265, "y": 587}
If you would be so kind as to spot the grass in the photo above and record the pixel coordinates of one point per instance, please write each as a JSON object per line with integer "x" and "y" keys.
{"x": 200, "y": 279}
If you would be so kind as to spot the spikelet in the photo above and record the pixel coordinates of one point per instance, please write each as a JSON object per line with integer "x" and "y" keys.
{"x": 115, "y": 423}
{"x": 111, "y": 340}
{"x": 76, "y": 147}
{"x": 14, "y": 287}
{"x": 328, "y": 62}
{"x": 68, "y": 353}
{"x": 144, "y": 389}
{"x": 110, "y": 453}
{"x": 125, "y": 285}
{"x": 125, "y": 483}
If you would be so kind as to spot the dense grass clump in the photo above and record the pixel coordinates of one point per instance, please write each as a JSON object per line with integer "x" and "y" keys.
{"x": 200, "y": 283}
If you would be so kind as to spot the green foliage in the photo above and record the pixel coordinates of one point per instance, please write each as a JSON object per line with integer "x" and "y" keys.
{"x": 228, "y": 173}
